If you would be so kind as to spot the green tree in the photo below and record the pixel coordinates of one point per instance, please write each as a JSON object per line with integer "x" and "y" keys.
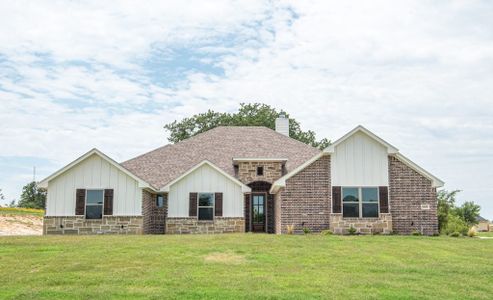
{"x": 469, "y": 212}
{"x": 2, "y": 197}
{"x": 252, "y": 114}
{"x": 32, "y": 196}
{"x": 446, "y": 203}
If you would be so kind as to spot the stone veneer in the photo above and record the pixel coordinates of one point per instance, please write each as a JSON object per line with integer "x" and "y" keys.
{"x": 382, "y": 224}
{"x": 154, "y": 217}
{"x": 247, "y": 171}
{"x": 305, "y": 201}
{"x": 407, "y": 192}
{"x": 79, "y": 225}
{"x": 193, "y": 226}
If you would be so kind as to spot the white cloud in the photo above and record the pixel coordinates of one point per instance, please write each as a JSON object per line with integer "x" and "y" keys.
{"x": 73, "y": 75}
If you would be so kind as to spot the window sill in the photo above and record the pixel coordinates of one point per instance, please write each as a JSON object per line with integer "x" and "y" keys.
{"x": 361, "y": 219}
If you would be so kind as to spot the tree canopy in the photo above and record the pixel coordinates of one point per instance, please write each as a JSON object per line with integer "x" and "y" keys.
{"x": 32, "y": 196}
{"x": 451, "y": 217}
{"x": 251, "y": 114}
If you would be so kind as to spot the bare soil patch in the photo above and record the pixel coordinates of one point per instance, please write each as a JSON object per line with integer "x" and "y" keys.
{"x": 12, "y": 224}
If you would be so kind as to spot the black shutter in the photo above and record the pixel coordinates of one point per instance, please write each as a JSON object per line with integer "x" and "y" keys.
{"x": 108, "y": 202}
{"x": 80, "y": 201}
{"x": 218, "y": 207}
{"x": 192, "y": 208}
{"x": 384, "y": 199}
{"x": 336, "y": 199}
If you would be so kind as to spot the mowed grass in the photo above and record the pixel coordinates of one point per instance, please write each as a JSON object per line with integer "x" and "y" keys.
{"x": 21, "y": 211}
{"x": 253, "y": 266}
{"x": 488, "y": 234}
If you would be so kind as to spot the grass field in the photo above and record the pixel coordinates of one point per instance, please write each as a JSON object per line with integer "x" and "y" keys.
{"x": 21, "y": 211}
{"x": 489, "y": 234}
{"x": 245, "y": 266}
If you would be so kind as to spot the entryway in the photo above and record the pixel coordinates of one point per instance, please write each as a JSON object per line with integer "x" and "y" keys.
{"x": 258, "y": 212}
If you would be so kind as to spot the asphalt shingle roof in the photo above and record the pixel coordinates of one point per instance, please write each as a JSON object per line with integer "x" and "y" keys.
{"x": 219, "y": 146}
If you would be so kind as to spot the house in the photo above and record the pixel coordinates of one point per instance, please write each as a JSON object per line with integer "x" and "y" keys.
{"x": 245, "y": 179}
{"x": 483, "y": 224}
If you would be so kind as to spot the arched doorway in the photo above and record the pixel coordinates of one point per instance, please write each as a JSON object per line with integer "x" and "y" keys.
{"x": 259, "y": 208}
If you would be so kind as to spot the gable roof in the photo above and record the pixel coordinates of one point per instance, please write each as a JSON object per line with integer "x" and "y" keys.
{"x": 391, "y": 150}
{"x": 44, "y": 183}
{"x": 219, "y": 146}
{"x": 244, "y": 188}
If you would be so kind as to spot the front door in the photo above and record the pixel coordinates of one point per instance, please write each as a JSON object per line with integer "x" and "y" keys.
{"x": 258, "y": 212}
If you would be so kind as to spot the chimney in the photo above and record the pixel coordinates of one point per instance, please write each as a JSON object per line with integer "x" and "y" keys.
{"x": 282, "y": 125}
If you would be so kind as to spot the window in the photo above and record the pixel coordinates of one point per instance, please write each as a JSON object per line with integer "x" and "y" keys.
{"x": 206, "y": 206}
{"x": 360, "y": 202}
{"x": 160, "y": 200}
{"x": 260, "y": 171}
{"x": 94, "y": 204}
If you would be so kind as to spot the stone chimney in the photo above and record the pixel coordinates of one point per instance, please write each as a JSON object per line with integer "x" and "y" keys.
{"x": 282, "y": 125}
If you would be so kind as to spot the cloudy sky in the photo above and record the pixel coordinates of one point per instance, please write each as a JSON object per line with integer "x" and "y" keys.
{"x": 78, "y": 75}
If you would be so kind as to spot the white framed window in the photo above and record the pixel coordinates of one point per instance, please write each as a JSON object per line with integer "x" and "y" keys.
{"x": 360, "y": 202}
{"x": 205, "y": 206}
{"x": 94, "y": 204}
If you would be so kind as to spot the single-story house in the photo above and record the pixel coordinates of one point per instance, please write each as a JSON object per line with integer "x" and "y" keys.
{"x": 483, "y": 224}
{"x": 245, "y": 179}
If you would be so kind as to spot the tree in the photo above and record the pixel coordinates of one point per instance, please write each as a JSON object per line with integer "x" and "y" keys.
{"x": 32, "y": 196}
{"x": 252, "y": 114}
{"x": 2, "y": 197}
{"x": 446, "y": 203}
{"x": 469, "y": 212}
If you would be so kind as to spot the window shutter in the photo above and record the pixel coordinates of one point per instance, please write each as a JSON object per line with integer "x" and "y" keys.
{"x": 336, "y": 199}
{"x": 384, "y": 199}
{"x": 219, "y": 205}
{"x": 108, "y": 202}
{"x": 192, "y": 208}
{"x": 80, "y": 201}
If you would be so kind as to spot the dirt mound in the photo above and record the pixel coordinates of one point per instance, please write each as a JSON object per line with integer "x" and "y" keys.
{"x": 20, "y": 225}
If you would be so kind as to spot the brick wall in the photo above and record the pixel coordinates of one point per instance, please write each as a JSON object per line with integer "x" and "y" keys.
{"x": 408, "y": 190}
{"x": 79, "y": 225}
{"x": 194, "y": 226}
{"x": 154, "y": 218}
{"x": 305, "y": 201}
{"x": 247, "y": 171}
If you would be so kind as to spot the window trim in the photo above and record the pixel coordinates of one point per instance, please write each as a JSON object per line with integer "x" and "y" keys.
{"x": 213, "y": 206}
{"x": 85, "y": 203}
{"x": 360, "y": 201}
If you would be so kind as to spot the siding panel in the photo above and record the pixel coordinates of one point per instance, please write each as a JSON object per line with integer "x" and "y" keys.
{"x": 205, "y": 179}
{"x": 94, "y": 172}
{"x": 360, "y": 161}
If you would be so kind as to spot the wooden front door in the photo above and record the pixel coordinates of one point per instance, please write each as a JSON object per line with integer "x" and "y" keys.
{"x": 258, "y": 212}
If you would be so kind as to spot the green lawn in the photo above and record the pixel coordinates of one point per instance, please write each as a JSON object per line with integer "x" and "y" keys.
{"x": 490, "y": 234}
{"x": 245, "y": 266}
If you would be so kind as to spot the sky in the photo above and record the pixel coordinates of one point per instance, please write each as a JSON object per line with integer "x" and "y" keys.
{"x": 83, "y": 74}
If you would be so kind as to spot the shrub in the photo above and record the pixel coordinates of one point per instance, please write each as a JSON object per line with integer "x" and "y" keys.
{"x": 456, "y": 224}
{"x": 352, "y": 230}
{"x": 416, "y": 233}
{"x": 290, "y": 229}
{"x": 455, "y": 234}
{"x": 472, "y": 232}
{"x": 326, "y": 232}
{"x": 307, "y": 230}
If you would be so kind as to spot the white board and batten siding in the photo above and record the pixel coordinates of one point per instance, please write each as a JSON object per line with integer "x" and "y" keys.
{"x": 360, "y": 161}
{"x": 207, "y": 180}
{"x": 94, "y": 173}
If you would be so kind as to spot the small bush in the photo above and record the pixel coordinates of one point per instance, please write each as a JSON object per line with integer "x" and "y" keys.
{"x": 416, "y": 233}
{"x": 456, "y": 224}
{"x": 352, "y": 230}
{"x": 307, "y": 230}
{"x": 327, "y": 232}
{"x": 376, "y": 232}
{"x": 455, "y": 234}
{"x": 290, "y": 229}
{"x": 472, "y": 232}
